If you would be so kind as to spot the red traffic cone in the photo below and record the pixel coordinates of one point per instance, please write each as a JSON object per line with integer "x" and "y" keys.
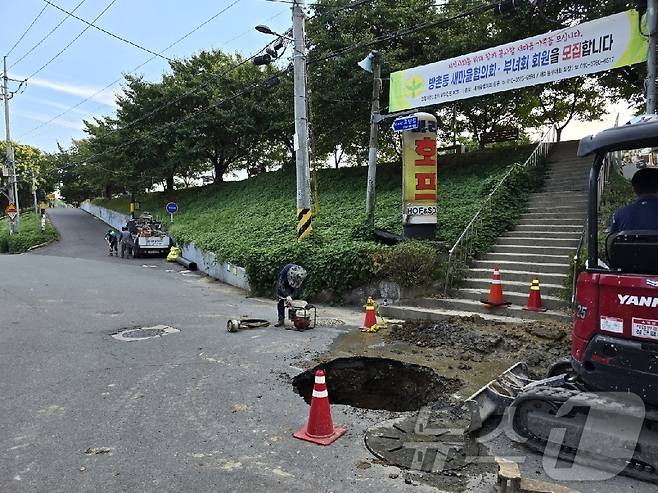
{"x": 534, "y": 298}
{"x": 496, "y": 299}
{"x": 320, "y": 428}
{"x": 371, "y": 316}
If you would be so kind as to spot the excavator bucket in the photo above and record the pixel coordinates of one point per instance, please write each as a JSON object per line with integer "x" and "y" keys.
{"x": 497, "y": 395}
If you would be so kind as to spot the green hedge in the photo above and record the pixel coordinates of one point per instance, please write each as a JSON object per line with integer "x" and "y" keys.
{"x": 29, "y": 234}
{"x": 252, "y": 222}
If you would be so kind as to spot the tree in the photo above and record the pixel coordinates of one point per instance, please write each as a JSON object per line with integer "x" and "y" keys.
{"x": 562, "y": 102}
{"x": 29, "y": 162}
{"x": 222, "y": 95}
{"x": 339, "y": 38}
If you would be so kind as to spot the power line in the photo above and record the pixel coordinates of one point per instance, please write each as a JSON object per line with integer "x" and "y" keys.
{"x": 47, "y": 35}
{"x": 27, "y": 30}
{"x": 72, "y": 41}
{"x": 340, "y": 52}
{"x": 192, "y": 91}
{"x": 185, "y": 36}
{"x": 221, "y": 75}
{"x": 215, "y": 104}
{"x": 195, "y": 89}
{"x": 406, "y": 32}
{"x": 105, "y": 31}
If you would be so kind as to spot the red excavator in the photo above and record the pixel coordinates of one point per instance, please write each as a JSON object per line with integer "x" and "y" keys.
{"x": 613, "y": 368}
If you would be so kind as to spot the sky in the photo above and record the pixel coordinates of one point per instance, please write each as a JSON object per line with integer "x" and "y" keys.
{"x": 95, "y": 60}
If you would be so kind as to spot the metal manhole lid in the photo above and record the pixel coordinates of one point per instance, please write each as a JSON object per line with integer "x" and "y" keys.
{"x": 142, "y": 333}
{"x": 401, "y": 442}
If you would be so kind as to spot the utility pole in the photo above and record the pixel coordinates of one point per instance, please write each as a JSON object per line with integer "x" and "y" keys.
{"x": 34, "y": 194}
{"x": 652, "y": 5}
{"x": 304, "y": 218}
{"x": 13, "y": 188}
{"x": 372, "y": 146}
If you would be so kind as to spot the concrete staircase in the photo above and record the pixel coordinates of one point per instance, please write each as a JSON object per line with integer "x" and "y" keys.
{"x": 540, "y": 245}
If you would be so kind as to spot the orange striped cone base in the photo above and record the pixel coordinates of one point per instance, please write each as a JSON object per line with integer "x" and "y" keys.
{"x": 534, "y": 299}
{"x": 496, "y": 299}
{"x": 320, "y": 428}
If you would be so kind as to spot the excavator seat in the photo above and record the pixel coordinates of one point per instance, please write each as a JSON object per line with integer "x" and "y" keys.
{"x": 633, "y": 252}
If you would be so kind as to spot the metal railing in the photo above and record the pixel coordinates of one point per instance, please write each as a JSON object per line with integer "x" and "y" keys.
{"x": 463, "y": 249}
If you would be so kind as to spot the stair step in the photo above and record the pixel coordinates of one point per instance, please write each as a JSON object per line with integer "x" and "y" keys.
{"x": 514, "y": 297}
{"x": 533, "y": 240}
{"x": 403, "y": 312}
{"x": 550, "y": 227}
{"x": 565, "y": 213}
{"x": 564, "y": 184}
{"x": 528, "y": 258}
{"x": 550, "y": 221}
{"x": 519, "y": 275}
{"x": 553, "y": 194}
{"x": 562, "y": 197}
{"x": 547, "y": 289}
{"x": 549, "y": 203}
{"x": 517, "y": 265}
{"x": 534, "y": 249}
{"x": 569, "y": 165}
{"x": 565, "y": 176}
{"x": 424, "y": 308}
{"x": 566, "y": 188}
{"x": 562, "y": 235}
{"x": 558, "y": 209}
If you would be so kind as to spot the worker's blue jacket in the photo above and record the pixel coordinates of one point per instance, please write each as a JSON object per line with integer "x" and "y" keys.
{"x": 641, "y": 214}
{"x": 283, "y": 288}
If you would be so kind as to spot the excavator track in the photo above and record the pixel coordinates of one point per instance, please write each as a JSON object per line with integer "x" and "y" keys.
{"x": 535, "y": 412}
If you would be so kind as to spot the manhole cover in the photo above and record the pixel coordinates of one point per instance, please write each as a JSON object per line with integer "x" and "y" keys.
{"x": 330, "y": 322}
{"x": 141, "y": 333}
{"x": 435, "y": 444}
{"x": 415, "y": 443}
{"x": 378, "y": 383}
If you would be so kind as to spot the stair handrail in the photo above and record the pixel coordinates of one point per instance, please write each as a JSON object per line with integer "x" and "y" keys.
{"x": 612, "y": 160}
{"x": 463, "y": 247}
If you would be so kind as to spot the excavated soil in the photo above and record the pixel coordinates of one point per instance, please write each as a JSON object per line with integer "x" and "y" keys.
{"x": 475, "y": 340}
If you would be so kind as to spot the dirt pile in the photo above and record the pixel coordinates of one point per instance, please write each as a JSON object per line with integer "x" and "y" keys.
{"x": 474, "y": 339}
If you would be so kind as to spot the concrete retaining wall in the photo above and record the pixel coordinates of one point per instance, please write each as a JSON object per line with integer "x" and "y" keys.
{"x": 206, "y": 261}
{"x": 114, "y": 219}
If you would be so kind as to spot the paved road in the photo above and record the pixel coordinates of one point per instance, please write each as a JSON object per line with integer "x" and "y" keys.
{"x": 200, "y": 410}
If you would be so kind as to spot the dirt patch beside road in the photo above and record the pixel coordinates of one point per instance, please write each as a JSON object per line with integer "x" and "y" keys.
{"x": 475, "y": 340}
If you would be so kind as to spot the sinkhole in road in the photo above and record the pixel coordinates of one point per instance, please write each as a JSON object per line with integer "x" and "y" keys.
{"x": 377, "y": 383}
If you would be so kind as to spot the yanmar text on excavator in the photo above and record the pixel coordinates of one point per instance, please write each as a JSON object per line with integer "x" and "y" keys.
{"x": 613, "y": 367}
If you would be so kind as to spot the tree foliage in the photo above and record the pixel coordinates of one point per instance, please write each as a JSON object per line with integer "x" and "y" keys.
{"x": 215, "y": 113}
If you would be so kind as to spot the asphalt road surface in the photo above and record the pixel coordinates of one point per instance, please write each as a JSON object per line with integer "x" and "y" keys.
{"x": 198, "y": 410}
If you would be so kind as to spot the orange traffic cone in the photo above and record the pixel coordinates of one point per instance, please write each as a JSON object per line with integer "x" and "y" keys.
{"x": 495, "y": 299}
{"x": 320, "y": 428}
{"x": 371, "y": 316}
{"x": 534, "y": 298}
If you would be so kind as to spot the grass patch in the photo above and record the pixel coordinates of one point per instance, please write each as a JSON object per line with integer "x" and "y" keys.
{"x": 29, "y": 235}
{"x": 252, "y": 222}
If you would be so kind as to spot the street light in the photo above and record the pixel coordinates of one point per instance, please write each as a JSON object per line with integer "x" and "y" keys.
{"x": 262, "y": 28}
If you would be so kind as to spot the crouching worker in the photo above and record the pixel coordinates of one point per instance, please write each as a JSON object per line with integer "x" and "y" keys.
{"x": 288, "y": 284}
{"x": 112, "y": 241}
